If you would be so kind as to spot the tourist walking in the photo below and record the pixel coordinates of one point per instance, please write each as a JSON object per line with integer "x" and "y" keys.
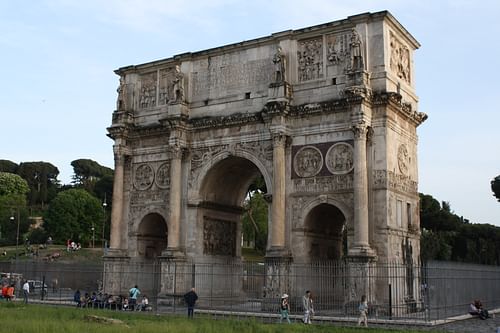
{"x": 191, "y": 297}
{"x": 133, "y": 294}
{"x": 26, "y": 291}
{"x": 307, "y": 304}
{"x": 284, "y": 308}
{"x": 363, "y": 311}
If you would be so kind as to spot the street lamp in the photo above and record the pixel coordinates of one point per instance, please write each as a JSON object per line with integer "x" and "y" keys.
{"x": 93, "y": 236}
{"x": 104, "y": 205}
{"x": 12, "y": 218}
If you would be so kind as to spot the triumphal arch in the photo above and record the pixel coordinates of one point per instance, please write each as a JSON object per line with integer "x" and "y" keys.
{"x": 327, "y": 115}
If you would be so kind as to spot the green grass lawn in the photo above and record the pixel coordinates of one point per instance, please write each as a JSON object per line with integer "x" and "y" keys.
{"x": 20, "y": 318}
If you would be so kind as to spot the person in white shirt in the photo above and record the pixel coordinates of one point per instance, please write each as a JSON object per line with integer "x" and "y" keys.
{"x": 26, "y": 291}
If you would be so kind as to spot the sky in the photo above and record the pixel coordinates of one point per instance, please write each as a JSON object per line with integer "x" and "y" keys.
{"x": 58, "y": 88}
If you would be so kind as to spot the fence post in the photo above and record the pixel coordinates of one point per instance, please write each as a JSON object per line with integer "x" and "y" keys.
{"x": 390, "y": 301}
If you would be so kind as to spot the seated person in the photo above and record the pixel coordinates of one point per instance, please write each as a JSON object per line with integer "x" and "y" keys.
{"x": 476, "y": 309}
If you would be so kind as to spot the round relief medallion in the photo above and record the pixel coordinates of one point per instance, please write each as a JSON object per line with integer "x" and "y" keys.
{"x": 162, "y": 179}
{"x": 403, "y": 159}
{"x": 339, "y": 158}
{"x": 144, "y": 177}
{"x": 308, "y": 161}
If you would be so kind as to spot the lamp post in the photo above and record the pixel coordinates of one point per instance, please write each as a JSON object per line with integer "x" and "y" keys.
{"x": 93, "y": 235}
{"x": 104, "y": 205}
{"x": 12, "y": 218}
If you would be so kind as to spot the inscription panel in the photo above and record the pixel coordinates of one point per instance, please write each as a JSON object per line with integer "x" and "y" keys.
{"x": 227, "y": 74}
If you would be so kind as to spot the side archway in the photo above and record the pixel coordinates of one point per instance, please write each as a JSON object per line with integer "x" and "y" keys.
{"x": 152, "y": 236}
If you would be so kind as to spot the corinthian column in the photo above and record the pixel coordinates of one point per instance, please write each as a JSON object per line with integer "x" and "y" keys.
{"x": 278, "y": 199}
{"x": 361, "y": 244}
{"x": 117, "y": 227}
{"x": 175, "y": 199}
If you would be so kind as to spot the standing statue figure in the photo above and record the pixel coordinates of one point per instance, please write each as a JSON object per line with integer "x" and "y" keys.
{"x": 356, "y": 52}
{"x": 279, "y": 61}
{"x": 178, "y": 86}
{"x": 120, "y": 101}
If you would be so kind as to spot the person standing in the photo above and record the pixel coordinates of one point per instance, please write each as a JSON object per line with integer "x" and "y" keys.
{"x": 363, "y": 311}
{"x": 284, "y": 308}
{"x": 26, "y": 291}
{"x": 191, "y": 297}
{"x": 307, "y": 304}
{"x": 133, "y": 294}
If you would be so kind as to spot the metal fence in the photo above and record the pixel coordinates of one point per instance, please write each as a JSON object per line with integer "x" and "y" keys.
{"x": 436, "y": 290}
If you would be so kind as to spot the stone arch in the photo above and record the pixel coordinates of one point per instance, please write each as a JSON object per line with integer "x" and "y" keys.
{"x": 222, "y": 191}
{"x": 325, "y": 223}
{"x": 205, "y": 169}
{"x": 152, "y": 236}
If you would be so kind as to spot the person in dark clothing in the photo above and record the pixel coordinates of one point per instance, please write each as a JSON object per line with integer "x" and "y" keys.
{"x": 191, "y": 298}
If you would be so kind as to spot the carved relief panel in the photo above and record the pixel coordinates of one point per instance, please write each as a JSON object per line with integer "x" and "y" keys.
{"x": 147, "y": 93}
{"x": 165, "y": 86}
{"x": 403, "y": 159}
{"x": 219, "y": 237}
{"x": 337, "y": 53}
{"x": 310, "y": 59}
{"x": 308, "y": 161}
{"x": 151, "y": 182}
{"x": 400, "y": 59}
{"x": 340, "y": 158}
{"x": 322, "y": 159}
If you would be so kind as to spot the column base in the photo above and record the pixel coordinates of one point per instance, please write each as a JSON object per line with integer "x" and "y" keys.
{"x": 361, "y": 253}
{"x": 116, "y": 253}
{"x": 278, "y": 253}
{"x": 173, "y": 254}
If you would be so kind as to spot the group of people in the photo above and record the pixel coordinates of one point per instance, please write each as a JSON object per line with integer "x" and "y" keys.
{"x": 72, "y": 246}
{"x": 113, "y": 302}
{"x": 307, "y": 306}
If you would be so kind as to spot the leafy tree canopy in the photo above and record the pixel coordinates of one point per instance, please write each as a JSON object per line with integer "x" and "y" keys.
{"x": 8, "y": 166}
{"x": 72, "y": 215}
{"x": 42, "y": 180}
{"x": 88, "y": 173}
{"x": 495, "y": 187}
{"x": 12, "y": 184}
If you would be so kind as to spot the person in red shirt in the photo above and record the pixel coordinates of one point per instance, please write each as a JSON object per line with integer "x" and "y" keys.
{"x": 4, "y": 290}
{"x": 10, "y": 292}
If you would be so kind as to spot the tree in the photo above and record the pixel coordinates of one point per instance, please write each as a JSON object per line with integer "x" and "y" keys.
{"x": 13, "y": 190}
{"x": 72, "y": 215}
{"x": 93, "y": 177}
{"x": 495, "y": 187}
{"x": 8, "y": 166}
{"x": 42, "y": 180}
{"x": 254, "y": 219}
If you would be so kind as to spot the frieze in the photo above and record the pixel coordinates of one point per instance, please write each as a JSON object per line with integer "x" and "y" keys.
{"x": 308, "y": 161}
{"x": 219, "y": 237}
{"x": 340, "y": 158}
{"x": 165, "y": 88}
{"x": 310, "y": 59}
{"x": 324, "y": 184}
{"x": 224, "y": 121}
{"x": 400, "y": 59}
{"x": 143, "y": 176}
{"x": 391, "y": 180}
{"x": 148, "y": 197}
{"x": 147, "y": 93}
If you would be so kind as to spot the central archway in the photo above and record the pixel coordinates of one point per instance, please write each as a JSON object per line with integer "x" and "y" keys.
{"x": 222, "y": 195}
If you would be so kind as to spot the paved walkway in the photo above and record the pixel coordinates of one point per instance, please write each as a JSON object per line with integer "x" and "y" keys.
{"x": 473, "y": 325}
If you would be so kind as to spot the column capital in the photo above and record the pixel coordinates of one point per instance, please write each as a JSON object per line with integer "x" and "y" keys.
{"x": 360, "y": 129}
{"x": 280, "y": 139}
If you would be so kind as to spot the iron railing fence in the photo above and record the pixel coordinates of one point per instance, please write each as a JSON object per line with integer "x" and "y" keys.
{"x": 436, "y": 290}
